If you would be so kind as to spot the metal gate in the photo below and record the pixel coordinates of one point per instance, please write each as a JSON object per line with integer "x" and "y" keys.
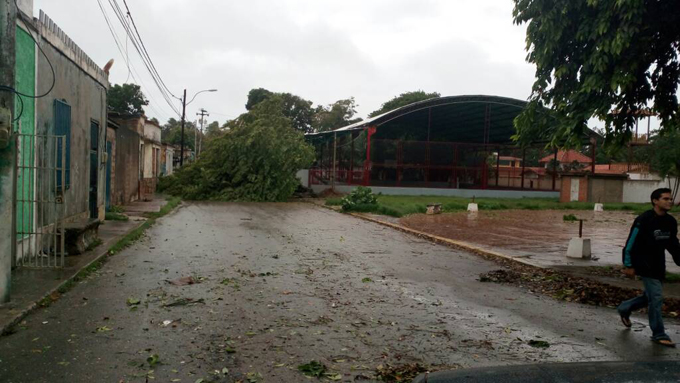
{"x": 39, "y": 184}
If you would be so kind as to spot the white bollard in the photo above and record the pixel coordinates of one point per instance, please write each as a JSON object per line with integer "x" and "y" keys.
{"x": 599, "y": 207}
{"x": 579, "y": 248}
{"x": 472, "y": 207}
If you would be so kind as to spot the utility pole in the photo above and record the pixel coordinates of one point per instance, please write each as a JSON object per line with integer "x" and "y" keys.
{"x": 204, "y": 113}
{"x": 184, "y": 113}
{"x": 8, "y": 14}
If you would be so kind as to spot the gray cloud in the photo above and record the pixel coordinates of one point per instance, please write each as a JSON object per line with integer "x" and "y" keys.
{"x": 320, "y": 50}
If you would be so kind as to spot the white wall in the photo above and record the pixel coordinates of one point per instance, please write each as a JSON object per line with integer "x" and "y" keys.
{"x": 168, "y": 161}
{"x": 152, "y": 132}
{"x": 149, "y": 153}
{"x": 467, "y": 193}
{"x": 639, "y": 187}
{"x": 26, "y": 6}
{"x": 303, "y": 176}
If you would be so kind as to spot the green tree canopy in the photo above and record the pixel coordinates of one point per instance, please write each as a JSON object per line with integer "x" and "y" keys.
{"x": 171, "y": 133}
{"x": 403, "y": 100}
{"x": 293, "y": 107}
{"x": 256, "y": 96}
{"x": 608, "y": 59}
{"x": 335, "y": 115}
{"x": 127, "y": 99}
{"x": 255, "y": 161}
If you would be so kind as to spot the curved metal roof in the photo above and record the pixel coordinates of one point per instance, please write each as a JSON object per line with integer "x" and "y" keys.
{"x": 452, "y": 118}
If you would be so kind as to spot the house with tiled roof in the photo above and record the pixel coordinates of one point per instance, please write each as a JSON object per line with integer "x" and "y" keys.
{"x": 567, "y": 159}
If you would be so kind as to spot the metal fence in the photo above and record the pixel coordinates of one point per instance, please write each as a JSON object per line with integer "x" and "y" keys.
{"x": 431, "y": 164}
{"x": 39, "y": 187}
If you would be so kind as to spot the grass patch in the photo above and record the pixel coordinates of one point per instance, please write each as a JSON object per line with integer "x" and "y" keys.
{"x": 334, "y": 202}
{"x": 172, "y": 203}
{"x": 129, "y": 239}
{"x": 399, "y": 206}
{"x": 672, "y": 277}
{"x": 569, "y": 218}
{"x": 112, "y": 216}
{"x": 94, "y": 244}
{"x": 117, "y": 209}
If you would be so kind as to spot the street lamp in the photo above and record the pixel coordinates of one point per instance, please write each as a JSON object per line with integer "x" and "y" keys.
{"x": 184, "y": 111}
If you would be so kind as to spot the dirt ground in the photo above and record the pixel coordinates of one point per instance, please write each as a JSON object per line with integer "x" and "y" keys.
{"x": 541, "y": 236}
{"x": 278, "y": 286}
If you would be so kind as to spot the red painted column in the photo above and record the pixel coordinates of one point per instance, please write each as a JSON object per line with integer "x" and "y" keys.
{"x": 350, "y": 174}
{"x": 367, "y": 163}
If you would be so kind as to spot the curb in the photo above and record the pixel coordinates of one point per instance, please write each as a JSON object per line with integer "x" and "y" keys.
{"x": 103, "y": 253}
{"x": 460, "y": 245}
{"x": 448, "y": 242}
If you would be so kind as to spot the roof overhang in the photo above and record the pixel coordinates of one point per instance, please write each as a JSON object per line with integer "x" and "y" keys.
{"x": 453, "y": 118}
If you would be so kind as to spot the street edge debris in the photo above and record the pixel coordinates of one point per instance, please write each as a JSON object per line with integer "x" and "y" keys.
{"x": 503, "y": 260}
{"x": 119, "y": 243}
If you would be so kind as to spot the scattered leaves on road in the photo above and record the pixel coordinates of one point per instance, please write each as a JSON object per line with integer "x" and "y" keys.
{"x": 403, "y": 373}
{"x": 153, "y": 360}
{"x": 539, "y": 343}
{"x": 184, "y": 281}
{"x": 563, "y": 286}
{"x": 184, "y": 302}
{"x": 313, "y": 368}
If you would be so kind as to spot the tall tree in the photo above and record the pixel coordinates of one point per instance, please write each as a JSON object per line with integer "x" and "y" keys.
{"x": 335, "y": 115}
{"x": 127, "y": 99}
{"x": 256, "y": 161}
{"x": 171, "y": 133}
{"x": 603, "y": 58}
{"x": 256, "y": 96}
{"x": 403, "y": 100}
{"x": 295, "y": 108}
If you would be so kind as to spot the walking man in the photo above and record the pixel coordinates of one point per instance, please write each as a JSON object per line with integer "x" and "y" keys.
{"x": 653, "y": 232}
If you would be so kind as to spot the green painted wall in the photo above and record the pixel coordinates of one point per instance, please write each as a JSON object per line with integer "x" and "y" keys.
{"x": 25, "y": 83}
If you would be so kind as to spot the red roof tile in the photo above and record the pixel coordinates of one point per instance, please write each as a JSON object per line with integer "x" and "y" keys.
{"x": 567, "y": 157}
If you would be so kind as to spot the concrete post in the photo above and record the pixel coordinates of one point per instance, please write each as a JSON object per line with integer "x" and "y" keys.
{"x": 7, "y": 58}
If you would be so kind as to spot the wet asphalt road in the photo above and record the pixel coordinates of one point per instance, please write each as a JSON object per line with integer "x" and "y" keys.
{"x": 284, "y": 284}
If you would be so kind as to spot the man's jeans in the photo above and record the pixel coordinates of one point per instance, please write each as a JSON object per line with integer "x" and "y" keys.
{"x": 653, "y": 300}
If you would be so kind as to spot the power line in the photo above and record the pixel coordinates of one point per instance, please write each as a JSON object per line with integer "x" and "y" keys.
{"x": 126, "y": 57}
{"x": 146, "y": 60}
{"x": 145, "y": 50}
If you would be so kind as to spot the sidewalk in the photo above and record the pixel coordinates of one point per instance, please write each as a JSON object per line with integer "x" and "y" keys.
{"x": 30, "y": 286}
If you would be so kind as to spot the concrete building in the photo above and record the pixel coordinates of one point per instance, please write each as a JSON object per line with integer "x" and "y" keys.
{"x": 167, "y": 155}
{"x": 61, "y": 138}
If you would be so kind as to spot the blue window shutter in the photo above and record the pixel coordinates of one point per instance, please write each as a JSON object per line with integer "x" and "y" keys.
{"x": 62, "y": 127}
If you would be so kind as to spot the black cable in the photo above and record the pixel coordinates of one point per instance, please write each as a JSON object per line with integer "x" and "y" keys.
{"x": 144, "y": 48}
{"x": 127, "y": 58}
{"x": 54, "y": 76}
{"x": 21, "y": 101}
{"x": 146, "y": 60}
{"x": 20, "y": 94}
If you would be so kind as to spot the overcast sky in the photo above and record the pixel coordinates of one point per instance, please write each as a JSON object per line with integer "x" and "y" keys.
{"x": 321, "y": 50}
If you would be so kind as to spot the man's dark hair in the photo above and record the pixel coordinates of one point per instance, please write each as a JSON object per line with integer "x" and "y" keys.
{"x": 656, "y": 194}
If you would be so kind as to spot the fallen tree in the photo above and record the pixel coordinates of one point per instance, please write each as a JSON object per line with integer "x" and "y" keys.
{"x": 255, "y": 161}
